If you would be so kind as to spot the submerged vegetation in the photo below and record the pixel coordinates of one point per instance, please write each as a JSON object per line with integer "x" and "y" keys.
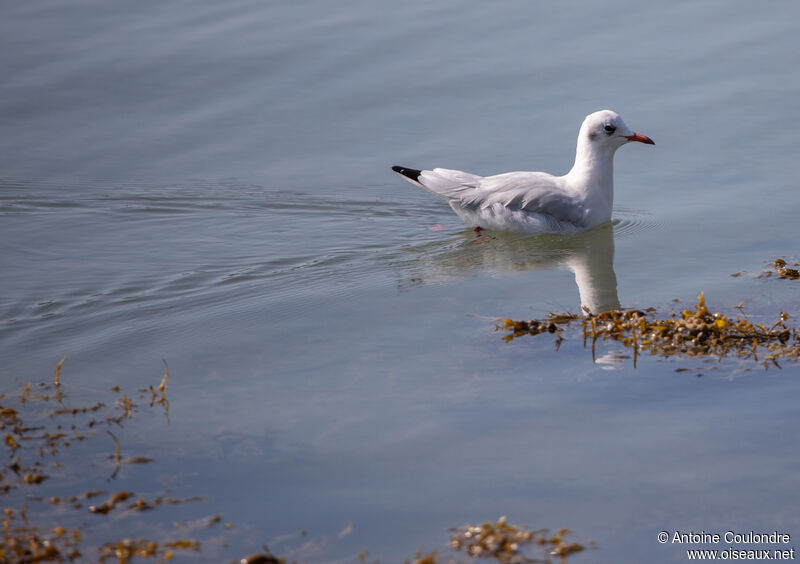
{"x": 38, "y": 425}
{"x": 690, "y": 333}
{"x": 41, "y": 523}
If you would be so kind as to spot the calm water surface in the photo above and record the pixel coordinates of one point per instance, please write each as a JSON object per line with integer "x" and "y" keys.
{"x": 209, "y": 184}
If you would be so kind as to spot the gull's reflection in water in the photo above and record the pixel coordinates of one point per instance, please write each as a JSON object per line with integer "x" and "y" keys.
{"x": 592, "y": 262}
{"x": 590, "y": 256}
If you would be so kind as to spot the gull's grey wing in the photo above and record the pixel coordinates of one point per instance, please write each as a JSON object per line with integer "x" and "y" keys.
{"x": 533, "y": 192}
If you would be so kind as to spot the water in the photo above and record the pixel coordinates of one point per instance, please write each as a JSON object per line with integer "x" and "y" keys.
{"x": 209, "y": 184}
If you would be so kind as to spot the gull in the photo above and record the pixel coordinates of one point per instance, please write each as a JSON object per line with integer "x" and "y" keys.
{"x": 538, "y": 202}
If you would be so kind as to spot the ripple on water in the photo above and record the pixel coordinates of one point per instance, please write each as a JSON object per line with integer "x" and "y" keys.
{"x": 628, "y": 222}
{"x": 132, "y": 250}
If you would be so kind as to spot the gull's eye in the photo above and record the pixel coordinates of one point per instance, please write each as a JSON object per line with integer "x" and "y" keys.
{"x": 610, "y": 129}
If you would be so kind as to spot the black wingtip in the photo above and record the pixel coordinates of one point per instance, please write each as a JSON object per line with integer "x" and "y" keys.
{"x": 411, "y": 173}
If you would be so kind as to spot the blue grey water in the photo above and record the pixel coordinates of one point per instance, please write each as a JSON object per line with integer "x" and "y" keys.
{"x": 208, "y": 183}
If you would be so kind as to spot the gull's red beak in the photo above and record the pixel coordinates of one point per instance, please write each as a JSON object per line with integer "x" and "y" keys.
{"x": 640, "y": 138}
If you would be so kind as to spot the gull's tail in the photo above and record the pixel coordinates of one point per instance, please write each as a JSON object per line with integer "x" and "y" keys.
{"x": 411, "y": 174}
{"x": 447, "y": 184}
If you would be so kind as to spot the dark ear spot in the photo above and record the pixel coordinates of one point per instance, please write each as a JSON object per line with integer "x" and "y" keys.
{"x": 592, "y": 136}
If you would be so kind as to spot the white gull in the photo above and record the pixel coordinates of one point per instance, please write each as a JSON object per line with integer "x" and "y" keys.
{"x": 537, "y": 202}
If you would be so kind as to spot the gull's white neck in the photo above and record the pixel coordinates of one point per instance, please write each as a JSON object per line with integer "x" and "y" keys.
{"x": 592, "y": 177}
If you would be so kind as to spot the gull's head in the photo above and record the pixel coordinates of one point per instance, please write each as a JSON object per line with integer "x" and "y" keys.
{"x": 605, "y": 129}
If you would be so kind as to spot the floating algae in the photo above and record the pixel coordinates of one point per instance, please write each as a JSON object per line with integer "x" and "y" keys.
{"x": 509, "y": 544}
{"x": 693, "y": 333}
{"x": 35, "y": 460}
{"x": 783, "y": 270}
{"x": 505, "y": 543}
{"x": 40, "y": 423}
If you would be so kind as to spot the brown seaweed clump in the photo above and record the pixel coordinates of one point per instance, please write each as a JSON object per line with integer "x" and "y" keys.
{"x": 692, "y": 333}
{"x": 783, "y": 270}
{"x": 507, "y": 543}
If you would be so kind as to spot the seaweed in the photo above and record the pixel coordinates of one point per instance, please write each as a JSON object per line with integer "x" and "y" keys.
{"x": 691, "y": 333}
{"x": 31, "y": 536}
{"x": 29, "y": 446}
{"x": 508, "y": 544}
